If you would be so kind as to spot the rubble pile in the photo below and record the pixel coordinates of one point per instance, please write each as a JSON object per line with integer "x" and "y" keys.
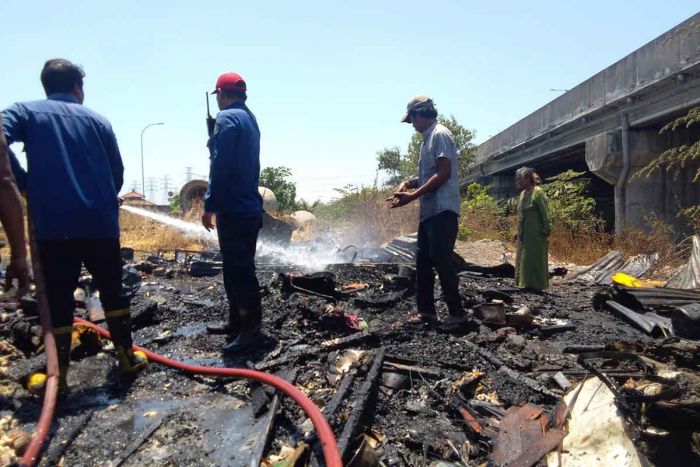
{"x": 557, "y": 378}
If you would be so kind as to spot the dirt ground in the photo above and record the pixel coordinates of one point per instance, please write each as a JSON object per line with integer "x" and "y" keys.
{"x": 409, "y": 411}
{"x": 488, "y": 252}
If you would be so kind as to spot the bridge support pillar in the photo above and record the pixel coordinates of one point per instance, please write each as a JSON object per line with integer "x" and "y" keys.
{"x": 657, "y": 196}
{"x": 503, "y": 186}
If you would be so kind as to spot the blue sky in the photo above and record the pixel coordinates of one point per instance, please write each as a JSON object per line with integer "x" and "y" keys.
{"x": 327, "y": 80}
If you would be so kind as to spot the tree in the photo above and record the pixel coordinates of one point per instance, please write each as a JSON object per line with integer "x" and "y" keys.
{"x": 276, "y": 179}
{"x": 570, "y": 202}
{"x": 402, "y": 166}
{"x": 175, "y": 203}
{"x": 397, "y": 166}
{"x": 304, "y": 205}
{"x": 677, "y": 160}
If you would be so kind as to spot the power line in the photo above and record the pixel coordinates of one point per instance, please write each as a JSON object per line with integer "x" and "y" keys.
{"x": 151, "y": 188}
{"x": 165, "y": 182}
{"x": 189, "y": 174}
{"x": 330, "y": 177}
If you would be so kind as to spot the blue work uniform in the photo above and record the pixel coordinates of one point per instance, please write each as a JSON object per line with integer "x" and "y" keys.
{"x": 73, "y": 179}
{"x": 233, "y": 195}
{"x": 75, "y": 169}
{"x": 234, "y": 173}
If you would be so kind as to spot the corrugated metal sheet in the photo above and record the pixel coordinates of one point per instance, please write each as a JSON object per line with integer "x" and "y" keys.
{"x": 688, "y": 277}
{"x": 643, "y": 297}
{"x": 602, "y": 270}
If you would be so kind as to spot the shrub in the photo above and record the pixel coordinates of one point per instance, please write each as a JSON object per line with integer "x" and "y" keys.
{"x": 692, "y": 216}
{"x": 569, "y": 202}
{"x": 464, "y": 233}
{"x": 484, "y": 217}
{"x": 477, "y": 197}
{"x": 362, "y": 216}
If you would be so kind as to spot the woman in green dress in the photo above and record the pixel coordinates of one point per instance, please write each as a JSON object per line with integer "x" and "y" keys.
{"x": 534, "y": 225}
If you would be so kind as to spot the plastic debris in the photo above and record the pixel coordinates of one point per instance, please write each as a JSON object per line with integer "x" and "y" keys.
{"x": 596, "y": 430}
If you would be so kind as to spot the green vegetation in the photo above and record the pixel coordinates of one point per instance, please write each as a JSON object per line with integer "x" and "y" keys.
{"x": 678, "y": 160}
{"x": 303, "y": 205}
{"x": 277, "y": 180}
{"x": 477, "y": 197}
{"x": 346, "y": 205}
{"x": 362, "y": 216}
{"x": 403, "y": 166}
{"x": 175, "y": 203}
{"x": 483, "y": 216}
{"x": 569, "y": 201}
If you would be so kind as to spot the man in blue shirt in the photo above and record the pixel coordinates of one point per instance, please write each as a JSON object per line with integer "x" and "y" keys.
{"x": 234, "y": 173}
{"x": 74, "y": 174}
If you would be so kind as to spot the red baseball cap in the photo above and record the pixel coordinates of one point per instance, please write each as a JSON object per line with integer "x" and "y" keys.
{"x": 230, "y": 81}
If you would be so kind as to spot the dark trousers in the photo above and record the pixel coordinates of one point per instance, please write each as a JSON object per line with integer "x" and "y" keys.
{"x": 238, "y": 236}
{"x": 62, "y": 261}
{"x": 436, "y": 242}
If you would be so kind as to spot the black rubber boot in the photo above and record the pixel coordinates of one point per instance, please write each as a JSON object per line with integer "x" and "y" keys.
{"x": 231, "y": 327}
{"x": 244, "y": 341}
{"x": 224, "y": 327}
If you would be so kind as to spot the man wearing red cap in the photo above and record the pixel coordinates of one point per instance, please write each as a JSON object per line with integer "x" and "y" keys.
{"x": 234, "y": 173}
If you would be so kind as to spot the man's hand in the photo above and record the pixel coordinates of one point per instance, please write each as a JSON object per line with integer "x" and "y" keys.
{"x": 207, "y": 220}
{"x": 401, "y": 198}
{"x": 17, "y": 269}
{"x": 120, "y": 201}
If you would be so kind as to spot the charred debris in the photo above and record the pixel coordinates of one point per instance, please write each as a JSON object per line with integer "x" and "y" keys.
{"x": 590, "y": 372}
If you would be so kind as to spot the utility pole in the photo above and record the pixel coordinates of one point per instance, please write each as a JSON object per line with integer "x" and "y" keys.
{"x": 134, "y": 186}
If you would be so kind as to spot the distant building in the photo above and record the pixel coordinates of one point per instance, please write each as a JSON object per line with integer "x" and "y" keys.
{"x": 134, "y": 198}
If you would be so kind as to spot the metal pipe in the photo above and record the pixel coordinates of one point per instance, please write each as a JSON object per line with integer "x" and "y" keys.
{"x": 638, "y": 319}
{"x": 620, "y": 186}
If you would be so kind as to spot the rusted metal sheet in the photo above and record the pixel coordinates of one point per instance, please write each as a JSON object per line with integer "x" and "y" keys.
{"x": 522, "y": 439}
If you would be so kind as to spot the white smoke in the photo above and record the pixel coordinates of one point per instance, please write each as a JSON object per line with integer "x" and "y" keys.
{"x": 311, "y": 256}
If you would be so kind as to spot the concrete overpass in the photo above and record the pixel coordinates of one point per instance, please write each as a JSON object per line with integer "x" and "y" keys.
{"x": 609, "y": 125}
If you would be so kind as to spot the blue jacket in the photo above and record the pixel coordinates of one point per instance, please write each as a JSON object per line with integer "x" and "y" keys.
{"x": 234, "y": 171}
{"x": 75, "y": 170}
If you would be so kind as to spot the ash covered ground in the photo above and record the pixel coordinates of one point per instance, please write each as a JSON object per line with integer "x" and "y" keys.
{"x": 395, "y": 394}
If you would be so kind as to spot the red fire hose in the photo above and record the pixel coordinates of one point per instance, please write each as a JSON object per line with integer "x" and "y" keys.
{"x": 323, "y": 429}
{"x": 49, "y": 406}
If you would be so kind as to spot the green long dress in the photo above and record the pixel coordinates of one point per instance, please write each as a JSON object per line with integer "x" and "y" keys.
{"x": 534, "y": 224}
